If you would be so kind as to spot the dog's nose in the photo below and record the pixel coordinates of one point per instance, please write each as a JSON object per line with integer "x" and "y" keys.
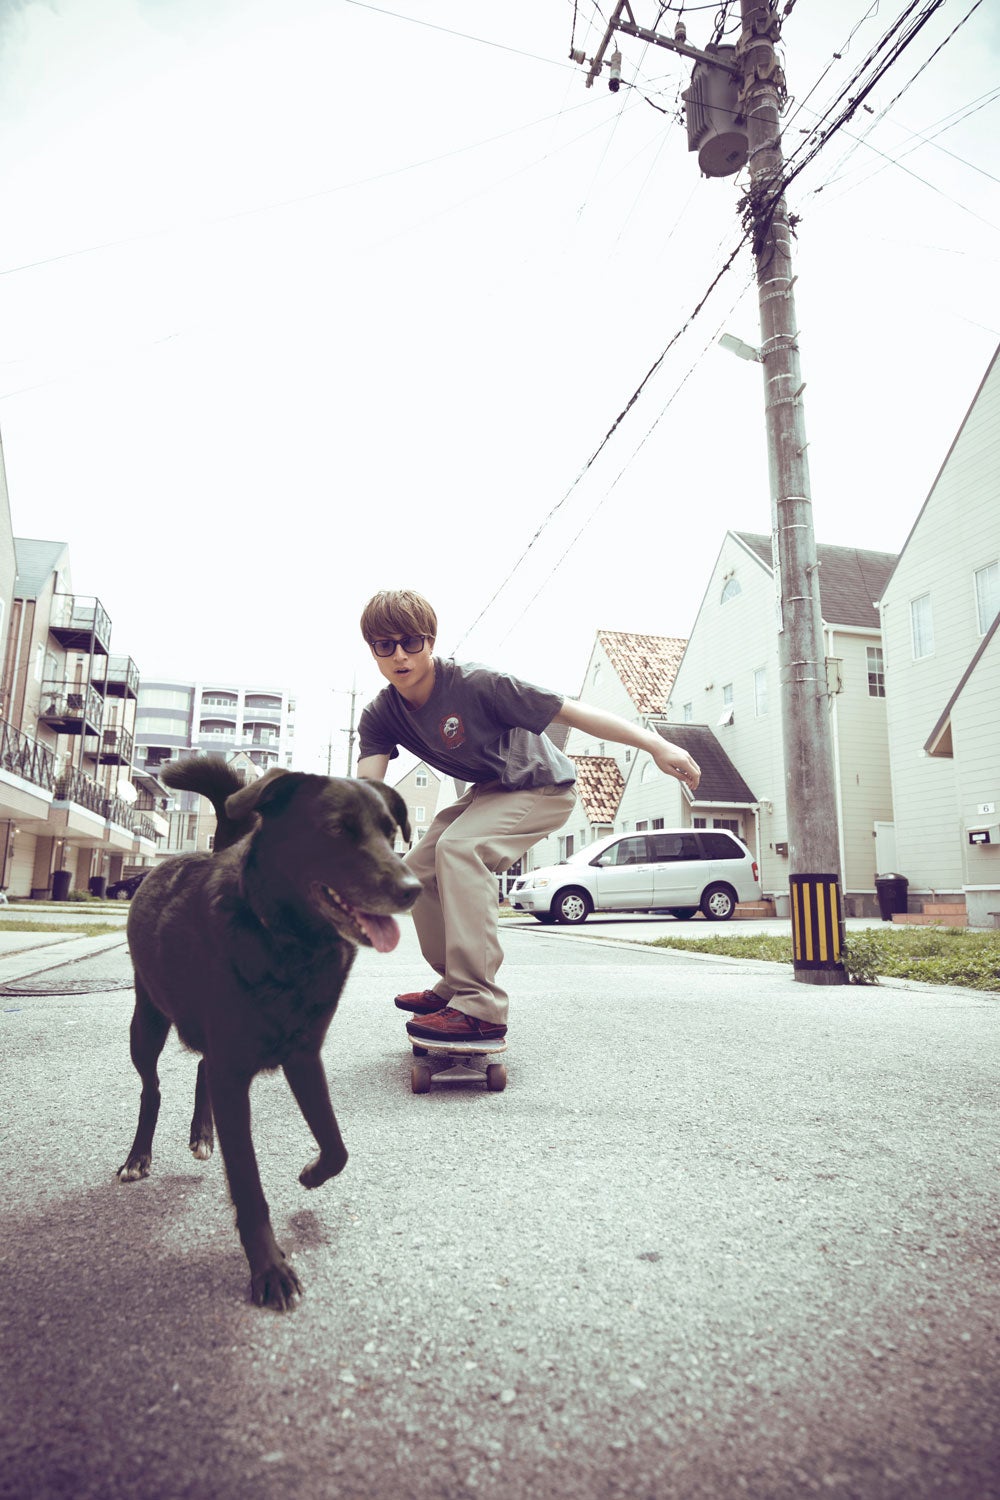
{"x": 409, "y": 890}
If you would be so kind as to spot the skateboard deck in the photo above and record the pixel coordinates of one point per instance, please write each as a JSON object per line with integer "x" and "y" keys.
{"x": 458, "y": 1062}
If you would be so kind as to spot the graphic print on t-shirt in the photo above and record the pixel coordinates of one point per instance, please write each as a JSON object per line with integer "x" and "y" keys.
{"x": 452, "y": 731}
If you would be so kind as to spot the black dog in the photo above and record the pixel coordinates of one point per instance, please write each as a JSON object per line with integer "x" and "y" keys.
{"x": 246, "y": 950}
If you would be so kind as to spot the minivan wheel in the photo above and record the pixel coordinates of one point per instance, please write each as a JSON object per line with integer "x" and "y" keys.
{"x": 543, "y": 916}
{"x": 572, "y": 906}
{"x": 718, "y": 903}
{"x": 683, "y": 913}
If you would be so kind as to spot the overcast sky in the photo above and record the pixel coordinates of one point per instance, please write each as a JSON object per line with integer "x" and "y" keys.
{"x": 302, "y": 301}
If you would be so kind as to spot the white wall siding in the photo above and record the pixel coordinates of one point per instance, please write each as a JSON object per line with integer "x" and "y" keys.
{"x": 862, "y": 742}
{"x": 957, "y": 532}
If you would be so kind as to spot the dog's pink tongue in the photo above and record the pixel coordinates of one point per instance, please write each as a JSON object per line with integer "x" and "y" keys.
{"x": 382, "y": 932}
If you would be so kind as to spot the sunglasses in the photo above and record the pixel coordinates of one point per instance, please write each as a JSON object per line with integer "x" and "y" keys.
{"x": 411, "y": 644}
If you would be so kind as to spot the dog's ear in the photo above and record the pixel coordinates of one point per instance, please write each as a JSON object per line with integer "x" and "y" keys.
{"x": 396, "y": 806}
{"x": 273, "y": 785}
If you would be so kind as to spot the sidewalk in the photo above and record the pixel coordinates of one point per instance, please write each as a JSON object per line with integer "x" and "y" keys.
{"x": 25, "y": 953}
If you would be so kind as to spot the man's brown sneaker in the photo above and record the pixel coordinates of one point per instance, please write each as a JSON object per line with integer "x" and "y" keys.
{"x": 455, "y": 1026}
{"x": 421, "y": 1002}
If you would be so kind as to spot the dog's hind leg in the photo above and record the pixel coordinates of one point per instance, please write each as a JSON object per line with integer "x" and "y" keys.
{"x": 307, "y": 1081}
{"x": 147, "y": 1035}
{"x": 273, "y": 1283}
{"x": 202, "y": 1133}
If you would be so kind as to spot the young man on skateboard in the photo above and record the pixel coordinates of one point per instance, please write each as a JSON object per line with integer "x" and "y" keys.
{"x": 485, "y": 728}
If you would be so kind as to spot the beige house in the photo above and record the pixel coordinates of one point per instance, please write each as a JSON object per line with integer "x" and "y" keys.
{"x": 425, "y": 792}
{"x": 729, "y": 682}
{"x": 940, "y": 627}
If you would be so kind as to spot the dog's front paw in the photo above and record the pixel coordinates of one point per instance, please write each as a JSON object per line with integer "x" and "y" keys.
{"x": 275, "y": 1286}
{"x": 135, "y": 1168}
{"x": 322, "y": 1169}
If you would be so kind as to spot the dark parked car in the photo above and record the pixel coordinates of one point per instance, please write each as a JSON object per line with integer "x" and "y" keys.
{"x": 124, "y": 890}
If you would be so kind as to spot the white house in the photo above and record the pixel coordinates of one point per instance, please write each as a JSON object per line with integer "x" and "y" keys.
{"x": 729, "y": 681}
{"x": 942, "y": 642}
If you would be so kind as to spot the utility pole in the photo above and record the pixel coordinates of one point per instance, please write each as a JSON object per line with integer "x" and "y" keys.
{"x": 810, "y": 789}
{"x": 755, "y": 81}
{"x": 351, "y": 733}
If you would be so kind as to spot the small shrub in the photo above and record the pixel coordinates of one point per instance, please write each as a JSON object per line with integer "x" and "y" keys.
{"x": 864, "y": 956}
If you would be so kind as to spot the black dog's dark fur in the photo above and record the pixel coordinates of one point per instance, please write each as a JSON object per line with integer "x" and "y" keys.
{"x": 245, "y": 951}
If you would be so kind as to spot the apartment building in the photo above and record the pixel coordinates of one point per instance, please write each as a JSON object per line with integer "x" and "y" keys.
{"x": 252, "y": 727}
{"x": 71, "y": 814}
{"x": 177, "y": 717}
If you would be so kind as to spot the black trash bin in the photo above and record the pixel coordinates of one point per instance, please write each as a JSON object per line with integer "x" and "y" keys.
{"x": 98, "y": 885}
{"x": 891, "y": 892}
{"x": 60, "y": 884}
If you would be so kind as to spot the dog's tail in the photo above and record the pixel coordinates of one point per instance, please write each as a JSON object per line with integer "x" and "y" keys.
{"x": 213, "y": 778}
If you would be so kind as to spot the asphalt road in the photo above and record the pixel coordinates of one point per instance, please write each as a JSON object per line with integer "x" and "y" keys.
{"x": 724, "y": 1235}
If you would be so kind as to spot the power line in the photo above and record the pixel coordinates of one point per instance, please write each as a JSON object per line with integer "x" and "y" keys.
{"x": 608, "y": 435}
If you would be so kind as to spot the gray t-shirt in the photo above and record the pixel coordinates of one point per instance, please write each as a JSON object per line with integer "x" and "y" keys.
{"x": 477, "y": 725}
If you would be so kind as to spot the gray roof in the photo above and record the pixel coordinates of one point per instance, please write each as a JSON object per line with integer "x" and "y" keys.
{"x": 851, "y": 580}
{"x": 720, "y": 780}
{"x": 36, "y": 562}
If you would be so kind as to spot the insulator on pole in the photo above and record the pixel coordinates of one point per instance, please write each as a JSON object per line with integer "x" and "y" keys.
{"x": 614, "y": 82}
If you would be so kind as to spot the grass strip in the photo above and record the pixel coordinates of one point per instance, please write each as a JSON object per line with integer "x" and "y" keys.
{"x": 933, "y": 955}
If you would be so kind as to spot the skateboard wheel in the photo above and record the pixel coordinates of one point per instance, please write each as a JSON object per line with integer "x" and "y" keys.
{"x": 420, "y": 1078}
{"x": 496, "y": 1078}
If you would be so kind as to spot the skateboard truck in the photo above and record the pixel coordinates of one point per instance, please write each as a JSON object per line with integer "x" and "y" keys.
{"x": 460, "y": 1062}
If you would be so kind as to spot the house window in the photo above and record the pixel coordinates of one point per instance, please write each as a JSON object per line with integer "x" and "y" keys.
{"x": 641, "y": 827}
{"x": 419, "y": 815}
{"x": 733, "y": 824}
{"x": 699, "y": 822}
{"x": 420, "y": 779}
{"x": 760, "y": 692}
{"x": 567, "y": 845}
{"x": 987, "y": 595}
{"x": 730, "y": 589}
{"x": 727, "y": 695}
{"x": 687, "y": 713}
{"x": 876, "y": 672}
{"x": 657, "y": 823}
{"x": 921, "y": 627}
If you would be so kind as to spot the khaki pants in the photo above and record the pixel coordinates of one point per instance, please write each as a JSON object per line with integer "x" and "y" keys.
{"x": 457, "y": 862}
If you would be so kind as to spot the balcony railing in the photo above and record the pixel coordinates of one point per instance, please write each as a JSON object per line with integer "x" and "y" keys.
{"x": 116, "y": 676}
{"x": 70, "y": 708}
{"x": 116, "y": 747}
{"x": 144, "y": 827}
{"x": 22, "y": 756}
{"x": 80, "y": 621}
{"x": 73, "y": 786}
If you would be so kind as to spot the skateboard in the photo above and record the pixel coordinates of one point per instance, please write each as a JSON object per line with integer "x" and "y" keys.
{"x": 461, "y": 1062}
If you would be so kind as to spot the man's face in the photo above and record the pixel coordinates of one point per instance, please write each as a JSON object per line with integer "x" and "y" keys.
{"x": 411, "y": 672}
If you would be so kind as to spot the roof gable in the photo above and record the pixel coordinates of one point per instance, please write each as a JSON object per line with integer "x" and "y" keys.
{"x": 646, "y": 666}
{"x": 720, "y": 780}
{"x": 852, "y": 580}
{"x": 599, "y": 785}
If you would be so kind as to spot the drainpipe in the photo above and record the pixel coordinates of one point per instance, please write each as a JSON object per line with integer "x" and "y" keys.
{"x": 838, "y": 791}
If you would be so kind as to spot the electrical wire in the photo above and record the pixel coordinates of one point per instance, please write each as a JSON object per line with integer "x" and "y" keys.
{"x": 654, "y": 367}
{"x": 622, "y": 472}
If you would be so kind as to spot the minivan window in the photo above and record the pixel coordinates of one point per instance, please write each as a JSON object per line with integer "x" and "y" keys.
{"x": 671, "y": 846}
{"x": 720, "y": 846}
{"x": 625, "y": 852}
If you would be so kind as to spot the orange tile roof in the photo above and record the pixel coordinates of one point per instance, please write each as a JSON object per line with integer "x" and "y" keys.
{"x": 599, "y": 785}
{"x": 646, "y": 664}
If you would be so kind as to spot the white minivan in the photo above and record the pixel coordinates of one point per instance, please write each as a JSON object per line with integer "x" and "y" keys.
{"x": 680, "y": 870}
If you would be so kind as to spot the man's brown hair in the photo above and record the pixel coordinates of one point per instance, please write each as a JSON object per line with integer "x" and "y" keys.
{"x": 397, "y": 612}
